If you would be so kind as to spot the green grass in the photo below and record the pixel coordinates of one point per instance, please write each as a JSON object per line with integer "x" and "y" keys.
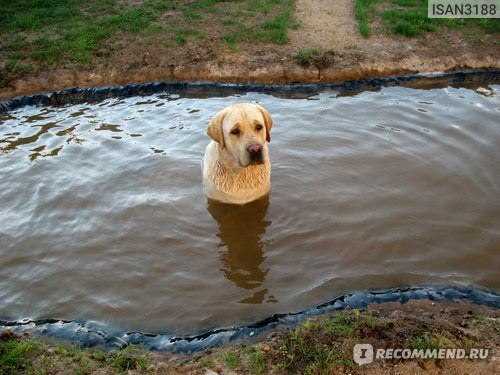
{"x": 14, "y": 355}
{"x": 408, "y": 23}
{"x": 183, "y": 35}
{"x": 306, "y": 56}
{"x": 409, "y": 18}
{"x": 315, "y": 346}
{"x": 39, "y": 34}
{"x": 273, "y": 30}
{"x": 423, "y": 342}
{"x": 305, "y": 355}
{"x": 67, "y": 27}
{"x": 231, "y": 359}
{"x": 363, "y": 11}
{"x": 493, "y": 324}
{"x": 315, "y": 57}
{"x": 28, "y": 356}
{"x": 256, "y": 362}
{"x": 340, "y": 325}
{"x": 432, "y": 341}
{"x": 130, "y": 358}
{"x": 52, "y": 30}
{"x": 206, "y": 362}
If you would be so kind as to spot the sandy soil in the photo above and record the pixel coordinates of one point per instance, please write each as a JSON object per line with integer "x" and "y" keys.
{"x": 326, "y": 24}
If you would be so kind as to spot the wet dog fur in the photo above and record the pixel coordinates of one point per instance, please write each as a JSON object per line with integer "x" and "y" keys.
{"x": 236, "y": 165}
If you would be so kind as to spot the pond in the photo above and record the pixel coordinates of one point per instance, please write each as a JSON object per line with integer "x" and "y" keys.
{"x": 103, "y": 217}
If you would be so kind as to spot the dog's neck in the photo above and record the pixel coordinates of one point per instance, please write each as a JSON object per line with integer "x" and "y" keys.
{"x": 230, "y": 177}
{"x": 227, "y": 161}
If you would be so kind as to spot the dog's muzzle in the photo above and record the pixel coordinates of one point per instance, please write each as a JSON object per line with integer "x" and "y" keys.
{"x": 256, "y": 153}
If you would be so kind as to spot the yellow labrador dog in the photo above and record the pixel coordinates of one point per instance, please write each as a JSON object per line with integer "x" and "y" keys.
{"x": 236, "y": 166}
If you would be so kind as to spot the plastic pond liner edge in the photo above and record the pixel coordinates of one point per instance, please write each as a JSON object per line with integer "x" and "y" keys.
{"x": 91, "y": 333}
{"x": 97, "y": 94}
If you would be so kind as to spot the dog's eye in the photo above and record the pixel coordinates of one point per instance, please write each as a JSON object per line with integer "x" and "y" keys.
{"x": 258, "y": 127}
{"x": 235, "y": 131}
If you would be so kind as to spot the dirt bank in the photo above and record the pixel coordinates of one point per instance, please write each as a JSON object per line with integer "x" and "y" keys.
{"x": 303, "y": 41}
{"x": 321, "y": 345}
{"x": 273, "y": 72}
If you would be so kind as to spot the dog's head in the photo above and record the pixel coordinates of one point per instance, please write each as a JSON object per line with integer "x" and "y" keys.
{"x": 242, "y": 130}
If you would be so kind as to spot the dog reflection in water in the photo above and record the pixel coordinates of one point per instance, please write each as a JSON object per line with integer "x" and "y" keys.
{"x": 242, "y": 251}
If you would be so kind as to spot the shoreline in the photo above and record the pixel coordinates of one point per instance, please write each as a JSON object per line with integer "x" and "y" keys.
{"x": 319, "y": 345}
{"x": 466, "y": 78}
{"x": 92, "y": 333}
{"x": 271, "y": 74}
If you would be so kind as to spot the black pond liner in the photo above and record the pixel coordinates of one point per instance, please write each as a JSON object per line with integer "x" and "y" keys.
{"x": 466, "y": 78}
{"x": 89, "y": 333}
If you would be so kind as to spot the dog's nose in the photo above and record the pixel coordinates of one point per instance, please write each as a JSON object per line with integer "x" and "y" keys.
{"x": 255, "y": 151}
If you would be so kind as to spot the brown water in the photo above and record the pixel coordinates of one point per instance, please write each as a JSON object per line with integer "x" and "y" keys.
{"x": 102, "y": 215}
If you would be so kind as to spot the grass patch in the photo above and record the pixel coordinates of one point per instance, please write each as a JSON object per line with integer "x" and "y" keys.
{"x": 423, "y": 342}
{"x": 363, "y": 11}
{"x": 130, "y": 358}
{"x": 182, "y": 36}
{"x": 317, "y": 346}
{"x": 409, "y": 18}
{"x": 340, "y": 325}
{"x": 306, "y": 56}
{"x": 303, "y": 353}
{"x": 481, "y": 320}
{"x": 28, "y": 356}
{"x": 206, "y": 362}
{"x": 314, "y": 56}
{"x": 231, "y": 359}
{"x": 54, "y": 30}
{"x": 68, "y": 33}
{"x": 256, "y": 361}
{"x": 15, "y": 355}
{"x": 274, "y": 30}
{"x": 431, "y": 341}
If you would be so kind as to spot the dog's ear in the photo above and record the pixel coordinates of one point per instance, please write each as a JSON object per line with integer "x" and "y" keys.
{"x": 214, "y": 129}
{"x": 268, "y": 121}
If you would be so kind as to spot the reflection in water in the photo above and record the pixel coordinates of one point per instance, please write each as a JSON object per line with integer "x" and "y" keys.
{"x": 13, "y": 142}
{"x": 110, "y": 127}
{"x": 242, "y": 250}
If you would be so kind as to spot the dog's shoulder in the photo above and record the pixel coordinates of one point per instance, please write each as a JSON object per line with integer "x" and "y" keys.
{"x": 233, "y": 187}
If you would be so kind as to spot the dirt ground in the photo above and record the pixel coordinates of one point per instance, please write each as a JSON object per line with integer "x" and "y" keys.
{"x": 327, "y": 25}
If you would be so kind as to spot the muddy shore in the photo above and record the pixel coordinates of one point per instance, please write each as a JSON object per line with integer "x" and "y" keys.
{"x": 320, "y": 345}
{"x": 286, "y": 72}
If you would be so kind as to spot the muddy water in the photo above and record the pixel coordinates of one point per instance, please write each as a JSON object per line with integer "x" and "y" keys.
{"x": 102, "y": 215}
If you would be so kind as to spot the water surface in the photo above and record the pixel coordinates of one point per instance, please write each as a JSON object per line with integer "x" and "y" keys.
{"x": 102, "y": 215}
